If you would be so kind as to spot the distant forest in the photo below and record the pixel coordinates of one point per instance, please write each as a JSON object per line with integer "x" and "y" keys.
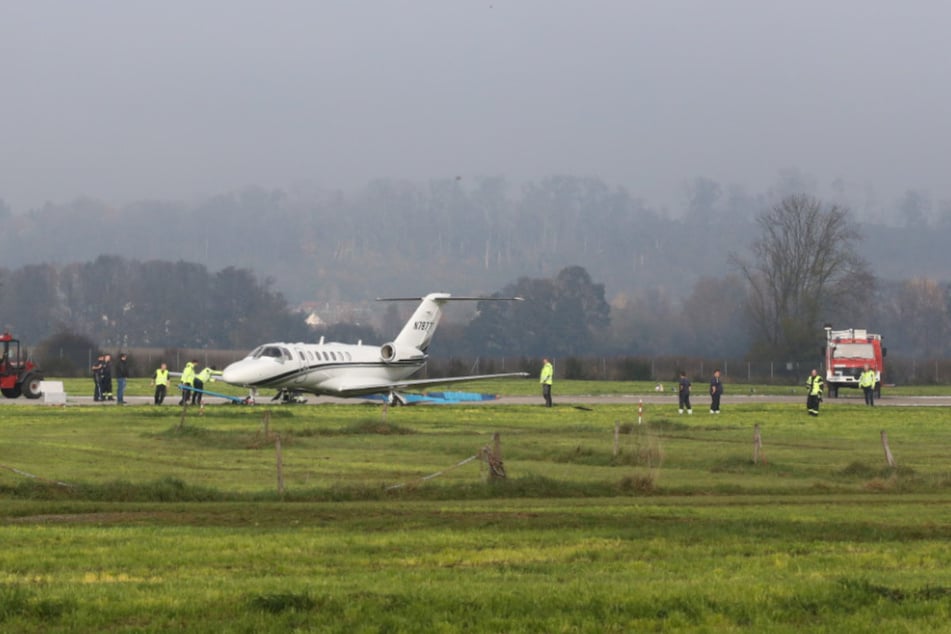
{"x": 222, "y": 272}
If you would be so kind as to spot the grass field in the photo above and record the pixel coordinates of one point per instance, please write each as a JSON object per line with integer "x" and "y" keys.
{"x": 140, "y": 521}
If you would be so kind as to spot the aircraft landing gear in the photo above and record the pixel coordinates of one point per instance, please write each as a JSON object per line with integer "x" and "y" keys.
{"x": 289, "y": 397}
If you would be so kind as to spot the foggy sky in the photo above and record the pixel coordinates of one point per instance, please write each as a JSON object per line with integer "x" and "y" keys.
{"x": 129, "y": 100}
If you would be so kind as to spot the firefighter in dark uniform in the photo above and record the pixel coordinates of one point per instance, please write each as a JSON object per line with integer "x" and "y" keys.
{"x": 97, "y": 378}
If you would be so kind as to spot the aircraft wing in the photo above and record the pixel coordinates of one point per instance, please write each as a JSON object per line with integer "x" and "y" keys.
{"x": 352, "y": 388}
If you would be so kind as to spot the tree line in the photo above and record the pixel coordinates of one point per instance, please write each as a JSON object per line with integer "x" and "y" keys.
{"x": 391, "y": 236}
{"x": 805, "y": 266}
{"x": 119, "y": 303}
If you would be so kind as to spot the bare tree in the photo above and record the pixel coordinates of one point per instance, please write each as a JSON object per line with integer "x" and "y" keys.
{"x": 805, "y": 266}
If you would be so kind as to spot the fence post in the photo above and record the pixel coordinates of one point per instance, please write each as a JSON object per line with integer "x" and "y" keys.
{"x": 757, "y": 445}
{"x": 279, "y": 456}
{"x": 888, "y": 452}
{"x": 617, "y": 437}
{"x": 496, "y": 468}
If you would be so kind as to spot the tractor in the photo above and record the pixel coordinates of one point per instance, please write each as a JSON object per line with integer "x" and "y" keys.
{"x": 17, "y": 375}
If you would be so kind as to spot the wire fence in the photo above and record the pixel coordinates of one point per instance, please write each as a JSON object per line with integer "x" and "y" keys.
{"x": 898, "y": 370}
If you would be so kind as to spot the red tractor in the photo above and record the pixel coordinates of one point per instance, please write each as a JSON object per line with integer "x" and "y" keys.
{"x": 17, "y": 376}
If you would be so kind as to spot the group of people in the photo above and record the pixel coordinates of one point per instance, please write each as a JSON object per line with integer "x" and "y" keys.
{"x": 102, "y": 378}
{"x": 546, "y": 378}
{"x": 683, "y": 393}
{"x": 815, "y": 385}
{"x": 814, "y": 388}
{"x": 193, "y": 381}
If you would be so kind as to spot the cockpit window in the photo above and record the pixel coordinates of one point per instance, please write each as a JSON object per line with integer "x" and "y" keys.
{"x": 271, "y": 351}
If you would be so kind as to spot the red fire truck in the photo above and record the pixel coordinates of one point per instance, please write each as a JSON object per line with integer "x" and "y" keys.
{"x": 847, "y": 352}
{"x": 17, "y": 375}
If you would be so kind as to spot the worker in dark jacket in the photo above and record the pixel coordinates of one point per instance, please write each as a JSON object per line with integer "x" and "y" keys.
{"x": 105, "y": 378}
{"x": 716, "y": 391}
{"x": 122, "y": 375}
{"x": 97, "y": 378}
{"x": 684, "y": 394}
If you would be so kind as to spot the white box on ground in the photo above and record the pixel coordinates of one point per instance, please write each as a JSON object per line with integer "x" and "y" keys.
{"x": 53, "y": 393}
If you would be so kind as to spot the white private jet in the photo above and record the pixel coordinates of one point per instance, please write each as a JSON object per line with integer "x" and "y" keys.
{"x": 347, "y": 370}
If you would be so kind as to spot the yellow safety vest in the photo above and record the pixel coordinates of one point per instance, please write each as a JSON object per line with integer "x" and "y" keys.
{"x": 547, "y": 375}
{"x": 867, "y": 379}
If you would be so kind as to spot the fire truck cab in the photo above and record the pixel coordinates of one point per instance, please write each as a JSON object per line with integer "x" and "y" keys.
{"x": 846, "y": 354}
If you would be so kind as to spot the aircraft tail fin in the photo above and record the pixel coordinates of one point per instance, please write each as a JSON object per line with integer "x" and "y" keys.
{"x": 419, "y": 330}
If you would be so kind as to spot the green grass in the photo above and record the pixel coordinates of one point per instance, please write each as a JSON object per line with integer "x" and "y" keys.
{"x": 154, "y": 526}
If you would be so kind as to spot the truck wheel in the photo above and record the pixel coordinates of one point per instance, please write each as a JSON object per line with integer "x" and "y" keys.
{"x": 11, "y": 392}
{"x": 31, "y": 386}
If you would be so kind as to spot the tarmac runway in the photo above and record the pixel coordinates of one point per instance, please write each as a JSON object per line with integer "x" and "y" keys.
{"x": 700, "y": 401}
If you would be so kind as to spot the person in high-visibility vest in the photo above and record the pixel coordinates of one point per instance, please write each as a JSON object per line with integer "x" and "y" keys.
{"x": 814, "y": 385}
{"x": 867, "y": 383}
{"x": 160, "y": 381}
{"x": 545, "y": 378}
{"x": 188, "y": 379}
{"x": 201, "y": 379}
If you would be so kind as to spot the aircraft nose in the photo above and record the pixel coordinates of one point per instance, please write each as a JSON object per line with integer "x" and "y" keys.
{"x": 237, "y": 373}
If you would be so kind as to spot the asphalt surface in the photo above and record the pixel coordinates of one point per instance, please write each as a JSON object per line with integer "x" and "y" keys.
{"x": 700, "y": 402}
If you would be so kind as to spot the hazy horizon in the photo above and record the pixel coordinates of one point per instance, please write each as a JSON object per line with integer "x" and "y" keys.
{"x": 129, "y": 101}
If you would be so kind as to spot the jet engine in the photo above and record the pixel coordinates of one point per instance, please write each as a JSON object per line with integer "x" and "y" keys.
{"x": 394, "y": 353}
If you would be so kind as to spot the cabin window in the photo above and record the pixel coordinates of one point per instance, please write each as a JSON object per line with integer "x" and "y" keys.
{"x": 301, "y": 354}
